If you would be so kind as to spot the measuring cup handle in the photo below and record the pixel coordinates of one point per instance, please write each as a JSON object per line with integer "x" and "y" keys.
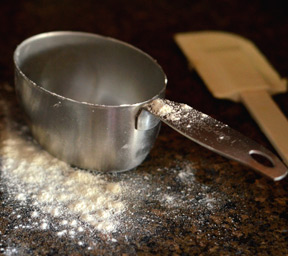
{"x": 217, "y": 136}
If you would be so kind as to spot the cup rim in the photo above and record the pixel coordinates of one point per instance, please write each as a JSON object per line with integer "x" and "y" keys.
{"x": 87, "y": 34}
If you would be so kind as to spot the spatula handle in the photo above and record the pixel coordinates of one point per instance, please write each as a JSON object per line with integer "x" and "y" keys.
{"x": 270, "y": 118}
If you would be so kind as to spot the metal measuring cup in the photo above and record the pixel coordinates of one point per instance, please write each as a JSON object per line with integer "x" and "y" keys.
{"x": 96, "y": 103}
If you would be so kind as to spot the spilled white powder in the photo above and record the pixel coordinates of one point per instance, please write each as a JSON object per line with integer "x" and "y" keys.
{"x": 170, "y": 110}
{"x": 208, "y": 200}
{"x": 33, "y": 176}
{"x": 185, "y": 176}
{"x": 181, "y": 116}
{"x": 52, "y": 197}
{"x": 44, "y": 226}
{"x": 184, "y": 118}
{"x": 161, "y": 108}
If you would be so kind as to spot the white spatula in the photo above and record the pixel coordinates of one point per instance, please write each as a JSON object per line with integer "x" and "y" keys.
{"x": 233, "y": 68}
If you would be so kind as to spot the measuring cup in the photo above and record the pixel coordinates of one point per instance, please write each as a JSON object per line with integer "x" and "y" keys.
{"x": 96, "y": 103}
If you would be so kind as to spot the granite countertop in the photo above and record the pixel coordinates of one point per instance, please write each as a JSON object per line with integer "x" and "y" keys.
{"x": 183, "y": 199}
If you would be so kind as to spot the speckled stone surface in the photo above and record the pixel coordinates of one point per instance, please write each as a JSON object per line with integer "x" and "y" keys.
{"x": 184, "y": 199}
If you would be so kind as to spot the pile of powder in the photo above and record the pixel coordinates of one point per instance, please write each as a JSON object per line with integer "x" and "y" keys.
{"x": 170, "y": 110}
{"x": 181, "y": 115}
{"x": 54, "y": 187}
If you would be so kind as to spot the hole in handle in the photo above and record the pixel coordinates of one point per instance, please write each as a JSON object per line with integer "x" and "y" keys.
{"x": 262, "y": 158}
